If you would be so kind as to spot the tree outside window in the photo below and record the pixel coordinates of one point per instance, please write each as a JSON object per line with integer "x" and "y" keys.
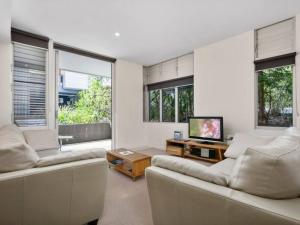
{"x": 168, "y": 105}
{"x": 185, "y": 103}
{"x": 92, "y": 105}
{"x": 275, "y": 97}
{"x": 154, "y": 102}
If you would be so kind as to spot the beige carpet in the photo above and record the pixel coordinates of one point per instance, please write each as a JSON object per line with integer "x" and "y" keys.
{"x": 127, "y": 201}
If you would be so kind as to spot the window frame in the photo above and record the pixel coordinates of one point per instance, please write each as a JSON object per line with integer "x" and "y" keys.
{"x": 295, "y": 110}
{"x": 34, "y": 127}
{"x": 161, "y": 105}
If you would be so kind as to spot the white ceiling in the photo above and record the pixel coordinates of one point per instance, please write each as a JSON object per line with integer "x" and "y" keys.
{"x": 151, "y": 30}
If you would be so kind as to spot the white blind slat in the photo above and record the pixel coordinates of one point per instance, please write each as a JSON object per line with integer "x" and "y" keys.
{"x": 29, "y": 76}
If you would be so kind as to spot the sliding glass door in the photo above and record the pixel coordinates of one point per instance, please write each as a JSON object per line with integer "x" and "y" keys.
{"x": 84, "y": 101}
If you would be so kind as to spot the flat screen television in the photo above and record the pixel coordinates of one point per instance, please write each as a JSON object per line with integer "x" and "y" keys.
{"x": 206, "y": 128}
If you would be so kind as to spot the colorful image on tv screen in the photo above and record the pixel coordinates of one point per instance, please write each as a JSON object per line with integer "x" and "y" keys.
{"x": 205, "y": 128}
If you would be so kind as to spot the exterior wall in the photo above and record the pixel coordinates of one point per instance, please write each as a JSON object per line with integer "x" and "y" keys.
{"x": 85, "y": 132}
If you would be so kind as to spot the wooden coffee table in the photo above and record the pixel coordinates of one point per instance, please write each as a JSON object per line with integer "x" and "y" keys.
{"x": 133, "y": 165}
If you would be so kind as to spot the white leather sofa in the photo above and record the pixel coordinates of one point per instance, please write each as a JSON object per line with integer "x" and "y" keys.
{"x": 180, "y": 199}
{"x": 69, "y": 193}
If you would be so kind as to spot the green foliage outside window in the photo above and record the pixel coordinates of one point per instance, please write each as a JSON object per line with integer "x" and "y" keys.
{"x": 185, "y": 103}
{"x": 93, "y": 105}
{"x": 154, "y": 99}
{"x": 168, "y": 105}
{"x": 275, "y": 97}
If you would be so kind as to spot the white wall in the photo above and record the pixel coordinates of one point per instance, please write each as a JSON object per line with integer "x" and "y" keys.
{"x": 129, "y": 127}
{"x": 224, "y": 82}
{"x": 157, "y": 133}
{"x": 298, "y": 69}
{"x": 5, "y": 62}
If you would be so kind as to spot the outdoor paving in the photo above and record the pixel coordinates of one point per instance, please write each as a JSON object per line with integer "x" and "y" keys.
{"x": 106, "y": 144}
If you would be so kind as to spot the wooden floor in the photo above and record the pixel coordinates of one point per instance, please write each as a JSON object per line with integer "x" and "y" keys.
{"x": 127, "y": 201}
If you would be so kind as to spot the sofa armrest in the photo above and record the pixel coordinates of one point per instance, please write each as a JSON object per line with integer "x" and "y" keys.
{"x": 179, "y": 199}
{"x": 54, "y": 194}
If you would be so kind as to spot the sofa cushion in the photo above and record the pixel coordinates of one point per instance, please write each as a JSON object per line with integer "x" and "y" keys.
{"x": 270, "y": 171}
{"x": 224, "y": 167}
{"x": 11, "y": 132}
{"x": 42, "y": 139}
{"x": 189, "y": 168}
{"x": 64, "y": 157}
{"x": 242, "y": 141}
{"x": 15, "y": 154}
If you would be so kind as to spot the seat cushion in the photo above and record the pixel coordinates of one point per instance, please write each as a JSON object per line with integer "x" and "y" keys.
{"x": 41, "y": 139}
{"x": 189, "y": 168}
{"x": 242, "y": 141}
{"x": 270, "y": 171}
{"x": 15, "y": 154}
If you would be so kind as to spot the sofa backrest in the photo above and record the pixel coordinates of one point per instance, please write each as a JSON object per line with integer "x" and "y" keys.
{"x": 44, "y": 139}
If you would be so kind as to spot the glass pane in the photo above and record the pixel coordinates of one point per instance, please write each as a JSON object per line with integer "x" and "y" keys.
{"x": 275, "y": 97}
{"x": 84, "y": 99}
{"x": 154, "y": 99}
{"x": 168, "y": 105}
{"x": 185, "y": 103}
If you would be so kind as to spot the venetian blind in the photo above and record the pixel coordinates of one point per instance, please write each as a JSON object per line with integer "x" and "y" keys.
{"x": 29, "y": 85}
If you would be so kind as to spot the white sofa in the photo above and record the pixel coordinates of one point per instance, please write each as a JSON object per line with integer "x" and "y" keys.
{"x": 69, "y": 193}
{"x": 180, "y": 199}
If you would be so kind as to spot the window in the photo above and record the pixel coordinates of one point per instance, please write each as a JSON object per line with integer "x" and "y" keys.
{"x": 29, "y": 85}
{"x": 154, "y": 105}
{"x": 274, "y": 66}
{"x": 168, "y": 105}
{"x": 171, "y": 101}
{"x": 185, "y": 103}
{"x": 275, "y": 97}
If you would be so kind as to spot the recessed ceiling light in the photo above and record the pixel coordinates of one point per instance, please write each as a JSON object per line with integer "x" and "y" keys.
{"x": 117, "y": 34}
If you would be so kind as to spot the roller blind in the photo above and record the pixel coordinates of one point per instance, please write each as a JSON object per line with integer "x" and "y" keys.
{"x": 274, "y": 40}
{"x": 27, "y": 38}
{"x": 29, "y": 85}
{"x": 171, "y": 83}
{"x": 168, "y": 70}
{"x": 186, "y": 65}
{"x": 182, "y": 66}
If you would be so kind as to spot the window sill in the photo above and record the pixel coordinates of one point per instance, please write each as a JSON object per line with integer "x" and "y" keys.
{"x": 270, "y": 128}
{"x": 152, "y": 122}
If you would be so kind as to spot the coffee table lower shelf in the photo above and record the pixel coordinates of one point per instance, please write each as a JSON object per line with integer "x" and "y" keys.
{"x": 133, "y": 165}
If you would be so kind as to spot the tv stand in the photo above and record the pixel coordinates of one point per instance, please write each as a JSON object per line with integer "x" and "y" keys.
{"x": 206, "y": 142}
{"x": 184, "y": 148}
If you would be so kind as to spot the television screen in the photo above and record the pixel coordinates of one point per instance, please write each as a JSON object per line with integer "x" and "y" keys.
{"x": 207, "y": 128}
